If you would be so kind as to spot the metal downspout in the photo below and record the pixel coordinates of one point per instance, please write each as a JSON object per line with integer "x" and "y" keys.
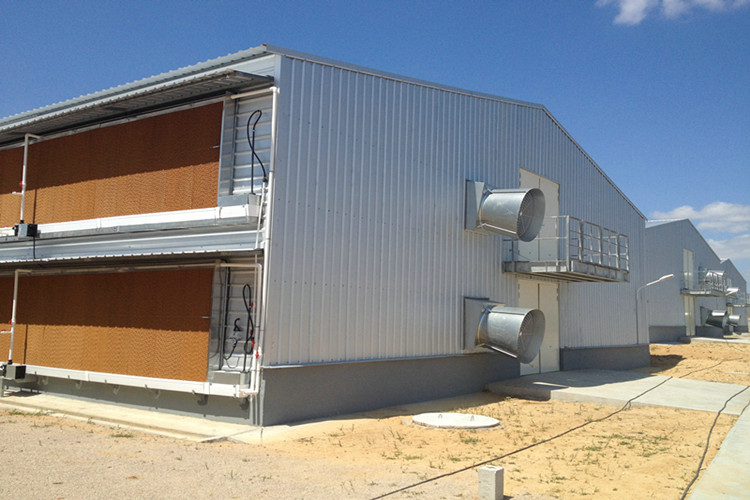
{"x": 12, "y": 330}
{"x": 23, "y": 172}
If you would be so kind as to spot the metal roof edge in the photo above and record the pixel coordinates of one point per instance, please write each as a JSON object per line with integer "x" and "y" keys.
{"x": 393, "y": 76}
{"x": 662, "y": 222}
{"x": 143, "y": 83}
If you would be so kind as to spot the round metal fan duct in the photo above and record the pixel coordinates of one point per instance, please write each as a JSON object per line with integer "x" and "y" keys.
{"x": 733, "y": 319}
{"x": 514, "y": 331}
{"x": 717, "y": 319}
{"x": 518, "y": 213}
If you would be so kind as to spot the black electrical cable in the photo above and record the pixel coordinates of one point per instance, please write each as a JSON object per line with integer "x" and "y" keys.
{"x": 231, "y": 353}
{"x": 708, "y": 441}
{"x": 708, "y": 367}
{"x": 624, "y": 407}
{"x": 251, "y": 143}
{"x": 227, "y": 291}
{"x": 528, "y": 447}
{"x": 247, "y": 297}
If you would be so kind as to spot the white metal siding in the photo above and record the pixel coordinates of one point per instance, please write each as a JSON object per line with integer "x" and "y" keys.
{"x": 369, "y": 258}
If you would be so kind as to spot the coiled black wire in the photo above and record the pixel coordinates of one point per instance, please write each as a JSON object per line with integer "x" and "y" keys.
{"x": 251, "y": 142}
{"x": 235, "y": 340}
{"x": 247, "y": 298}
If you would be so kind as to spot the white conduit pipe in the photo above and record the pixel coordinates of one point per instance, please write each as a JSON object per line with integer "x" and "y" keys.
{"x": 12, "y": 330}
{"x": 257, "y": 360}
{"x": 253, "y": 93}
{"x": 262, "y": 272}
{"x": 23, "y": 172}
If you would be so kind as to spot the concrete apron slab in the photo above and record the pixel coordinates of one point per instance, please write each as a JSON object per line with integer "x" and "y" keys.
{"x": 727, "y": 476}
{"x": 616, "y": 388}
{"x": 153, "y": 422}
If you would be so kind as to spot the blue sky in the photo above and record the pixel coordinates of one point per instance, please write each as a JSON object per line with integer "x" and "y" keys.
{"x": 656, "y": 91}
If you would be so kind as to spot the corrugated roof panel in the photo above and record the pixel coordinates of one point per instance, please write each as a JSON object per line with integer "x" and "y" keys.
{"x": 109, "y": 105}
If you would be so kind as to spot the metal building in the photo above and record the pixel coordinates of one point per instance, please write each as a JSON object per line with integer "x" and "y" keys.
{"x": 737, "y": 300}
{"x": 272, "y": 236}
{"x": 706, "y": 298}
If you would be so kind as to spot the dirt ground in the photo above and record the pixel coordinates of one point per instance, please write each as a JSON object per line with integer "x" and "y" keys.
{"x": 639, "y": 452}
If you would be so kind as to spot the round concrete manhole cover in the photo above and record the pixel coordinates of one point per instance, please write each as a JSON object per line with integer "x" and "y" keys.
{"x": 454, "y": 420}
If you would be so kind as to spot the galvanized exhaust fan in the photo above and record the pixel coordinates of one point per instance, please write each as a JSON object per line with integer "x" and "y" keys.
{"x": 517, "y": 213}
{"x": 718, "y": 318}
{"x": 514, "y": 331}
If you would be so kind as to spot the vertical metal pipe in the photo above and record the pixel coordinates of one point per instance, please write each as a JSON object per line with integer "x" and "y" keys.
{"x": 23, "y": 172}
{"x": 274, "y": 112}
{"x": 260, "y": 344}
{"x": 13, "y": 316}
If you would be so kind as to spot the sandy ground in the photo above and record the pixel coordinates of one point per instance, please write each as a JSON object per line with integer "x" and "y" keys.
{"x": 640, "y": 452}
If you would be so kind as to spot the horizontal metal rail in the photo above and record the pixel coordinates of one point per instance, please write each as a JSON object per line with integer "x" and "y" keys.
{"x": 565, "y": 241}
{"x": 708, "y": 282}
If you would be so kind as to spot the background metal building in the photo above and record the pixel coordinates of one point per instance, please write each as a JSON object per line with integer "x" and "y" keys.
{"x": 351, "y": 258}
{"x": 703, "y": 284}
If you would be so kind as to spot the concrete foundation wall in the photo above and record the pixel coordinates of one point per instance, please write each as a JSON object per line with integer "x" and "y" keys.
{"x": 225, "y": 409}
{"x": 307, "y": 392}
{"x": 299, "y": 393}
{"x": 709, "y": 331}
{"x": 605, "y": 358}
{"x": 666, "y": 333}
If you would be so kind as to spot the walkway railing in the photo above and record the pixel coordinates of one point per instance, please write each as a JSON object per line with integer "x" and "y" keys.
{"x": 569, "y": 244}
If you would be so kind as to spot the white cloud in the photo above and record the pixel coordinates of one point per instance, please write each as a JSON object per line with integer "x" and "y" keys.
{"x": 734, "y": 248}
{"x": 633, "y": 12}
{"x": 717, "y": 217}
{"x": 720, "y": 217}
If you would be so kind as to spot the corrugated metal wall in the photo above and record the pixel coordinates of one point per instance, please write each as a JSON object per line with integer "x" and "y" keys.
{"x": 163, "y": 163}
{"x": 369, "y": 258}
{"x": 591, "y": 314}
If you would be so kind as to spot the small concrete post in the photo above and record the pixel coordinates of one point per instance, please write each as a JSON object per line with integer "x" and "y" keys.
{"x": 491, "y": 483}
